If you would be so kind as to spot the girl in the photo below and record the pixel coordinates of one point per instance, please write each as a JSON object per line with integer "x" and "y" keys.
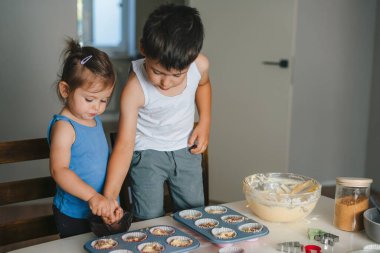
{"x": 78, "y": 147}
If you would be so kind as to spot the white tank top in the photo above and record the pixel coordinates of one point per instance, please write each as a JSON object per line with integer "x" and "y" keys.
{"x": 165, "y": 123}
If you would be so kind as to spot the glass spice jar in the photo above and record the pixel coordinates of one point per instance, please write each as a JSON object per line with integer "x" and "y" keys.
{"x": 351, "y": 200}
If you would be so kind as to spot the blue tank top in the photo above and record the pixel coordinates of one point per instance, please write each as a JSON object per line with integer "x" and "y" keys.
{"x": 89, "y": 157}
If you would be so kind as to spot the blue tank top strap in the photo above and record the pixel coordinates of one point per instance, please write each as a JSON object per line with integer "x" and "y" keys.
{"x": 75, "y": 125}
{"x": 56, "y": 118}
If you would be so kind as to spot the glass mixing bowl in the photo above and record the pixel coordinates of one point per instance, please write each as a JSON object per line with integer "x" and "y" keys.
{"x": 281, "y": 197}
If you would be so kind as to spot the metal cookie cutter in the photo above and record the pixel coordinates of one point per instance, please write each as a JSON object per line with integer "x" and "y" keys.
{"x": 291, "y": 247}
{"x": 312, "y": 232}
{"x": 327, "y": 238}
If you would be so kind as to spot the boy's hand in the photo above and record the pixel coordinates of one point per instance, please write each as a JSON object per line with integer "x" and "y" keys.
{"x": 198, "y": 141}
{"x": 102, "y": 206}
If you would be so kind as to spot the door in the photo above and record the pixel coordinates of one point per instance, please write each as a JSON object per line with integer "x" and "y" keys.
{"x": 251, "y": 100}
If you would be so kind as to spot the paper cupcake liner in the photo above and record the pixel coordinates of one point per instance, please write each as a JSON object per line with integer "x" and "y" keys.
{"x": 104, "y": 244}
{"x": 251, "y": 227}
{"x": 134, "y": 237}
{"x": 190, "y": 214}
{"x": 215, "y": 209}
{"x": 223, "y": 245}
{"x": 179, "y": 241}
{"x": 162, "y": 230}
{"x": 150, "y": 247}
{"x": 224, "y": 233}
{"x": 206, "y": 223}
{"x": 231, "y": 250}
{"x": 372, "y": 246}
{"x": 232, "y": 218}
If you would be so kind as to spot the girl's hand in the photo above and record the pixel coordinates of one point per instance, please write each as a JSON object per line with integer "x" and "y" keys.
{"x": 199, "y": 139}
{"x": 118, "y": 214}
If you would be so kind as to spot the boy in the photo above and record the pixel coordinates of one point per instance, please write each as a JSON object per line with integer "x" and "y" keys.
{"x": 156, "y": 137}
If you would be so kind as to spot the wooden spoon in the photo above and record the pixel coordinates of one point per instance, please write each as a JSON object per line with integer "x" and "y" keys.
{"x": 302, "y": 187}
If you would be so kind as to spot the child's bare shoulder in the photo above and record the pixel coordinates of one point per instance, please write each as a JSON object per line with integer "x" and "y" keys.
{"x": 62, "y": 125}
{"x": 202, "y": 61}
{"x": 132, "y": 90}
{"x": 203, "y": 66}
{"x": 62, "y": 131}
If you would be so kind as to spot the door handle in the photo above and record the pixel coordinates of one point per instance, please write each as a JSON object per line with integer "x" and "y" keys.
{"x": 283, "y": 63}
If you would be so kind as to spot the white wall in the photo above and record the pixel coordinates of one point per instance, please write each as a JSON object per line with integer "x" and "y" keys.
{"x": 251, "y": 101}
{"x": 373, "y": 151}
{"x": 32, "y": 38}
{"x": 334, "y": 43}
{"x": 332, "y": 80}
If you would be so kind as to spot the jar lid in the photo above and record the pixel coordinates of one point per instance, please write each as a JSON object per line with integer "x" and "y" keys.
{"x": 354, "y": 181}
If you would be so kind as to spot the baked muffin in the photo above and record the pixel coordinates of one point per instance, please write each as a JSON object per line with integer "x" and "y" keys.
{"x": 232, "y": 218}
{"x": 206, "y": 223}
{"x": 104, "y": 244}
{"x": 150, "y": 247}
{"x": 179, "y": 241}
{"x": 223, "y": 233}
{"x": 190, "y": 214}
{"x": 251, "y": 228}
{"x": 215, "y": 209}
{"x": 134, "y": 237}
{"x": 162, "y": 230}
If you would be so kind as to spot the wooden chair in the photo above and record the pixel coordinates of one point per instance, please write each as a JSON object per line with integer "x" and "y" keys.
{"x": 24, "y": 227}
{"x": 126, "y": 195}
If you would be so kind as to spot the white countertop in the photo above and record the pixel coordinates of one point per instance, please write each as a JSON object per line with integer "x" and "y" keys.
{"x": 321, "y": 217}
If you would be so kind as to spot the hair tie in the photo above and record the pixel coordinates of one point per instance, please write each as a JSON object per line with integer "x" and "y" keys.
{"x": 85, "y": 59}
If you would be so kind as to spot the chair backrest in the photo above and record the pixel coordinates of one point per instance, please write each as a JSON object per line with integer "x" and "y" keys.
{"x": 21, "y": 228}
{"x": 125, "y": 192}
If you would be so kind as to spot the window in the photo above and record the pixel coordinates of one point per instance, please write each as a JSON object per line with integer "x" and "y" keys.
{"x": 109, "y": 25}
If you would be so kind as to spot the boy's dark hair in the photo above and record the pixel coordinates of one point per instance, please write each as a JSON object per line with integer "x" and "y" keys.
{"x": 173, "y": 35}
{"x": 77, "y": 59}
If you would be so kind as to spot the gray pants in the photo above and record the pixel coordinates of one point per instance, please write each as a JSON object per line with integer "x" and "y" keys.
{"x": 150, "y": 169}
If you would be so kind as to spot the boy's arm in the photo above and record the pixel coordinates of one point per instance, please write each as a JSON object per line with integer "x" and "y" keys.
{"x": 201, "y": 132}
{"x": 61, "y": 139}
{"x": 132, "y": 98}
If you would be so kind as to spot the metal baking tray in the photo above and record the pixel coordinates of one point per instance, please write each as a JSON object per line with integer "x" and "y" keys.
{"x": 227, "y": 220}
{"x": 151, "y": 236}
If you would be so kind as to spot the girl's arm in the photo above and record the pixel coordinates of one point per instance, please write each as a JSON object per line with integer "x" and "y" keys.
{"x": 201, "y": 133}
{"x": 61, "y": 139}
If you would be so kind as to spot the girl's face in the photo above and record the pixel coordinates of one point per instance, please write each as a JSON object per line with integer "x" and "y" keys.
{"x": 87, "y": 101}
{"x": 161, "y": 77}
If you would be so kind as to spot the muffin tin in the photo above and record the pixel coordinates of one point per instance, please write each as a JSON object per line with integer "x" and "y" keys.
{"x": 221, "y": 225}
{"x": 166, "y": 239}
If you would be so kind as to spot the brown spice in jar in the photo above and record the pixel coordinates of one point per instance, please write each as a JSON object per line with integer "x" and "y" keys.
{"x": 349, "y": 212}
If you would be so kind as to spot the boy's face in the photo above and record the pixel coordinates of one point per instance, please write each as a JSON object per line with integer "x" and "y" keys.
{"x": 161, "y": 77}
